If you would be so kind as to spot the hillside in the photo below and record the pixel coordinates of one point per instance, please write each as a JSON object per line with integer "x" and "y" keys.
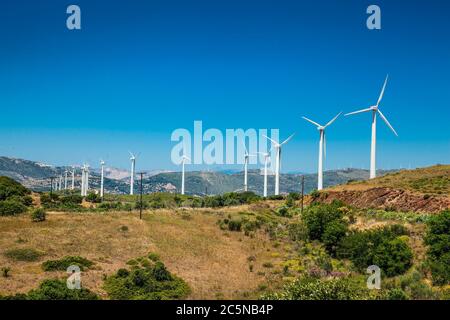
{"x": 419, "y": 190}
{"x": 36, "y": 176}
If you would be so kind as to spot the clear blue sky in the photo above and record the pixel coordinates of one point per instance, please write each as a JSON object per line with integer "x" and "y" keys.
{"x": 140, "y": 69}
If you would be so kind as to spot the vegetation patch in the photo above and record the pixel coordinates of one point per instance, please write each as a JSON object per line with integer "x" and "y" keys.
{"x": 24, "y": 254}
{"x": 148, "y": 279}
{"x": 54, "y": 289}
{"x": 64, "y": 263}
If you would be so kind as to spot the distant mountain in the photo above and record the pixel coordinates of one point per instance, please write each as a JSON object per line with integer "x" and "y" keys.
{"x": 36, "y": 176}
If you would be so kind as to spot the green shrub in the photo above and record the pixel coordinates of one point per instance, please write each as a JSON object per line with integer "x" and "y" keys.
{"x": 147, "y": 281}
{"x": 10, "y": 188}
{"x": 318, "y": 216}
{"x": 93, "y": 198}
{"x": 393, "y": 257}
{"x": 235, "y": 225}
{"x": 377, "y": 246}
{"x": 310, "y": 288}
{"x": 396, "y": 294}
{"x": 24, "y": 254}
{"x": 55, "y": 289}
{"x": 11, "y": 208}
{"x": 437, "y": 239}
{"x": 298, "y": 231}
{"x": 38, "y": 215}
{"x": 64, "y": 263}
{"x": 334, "y": 232}
{"x": 5, "y": 272}
{"x": 71, "y": 199}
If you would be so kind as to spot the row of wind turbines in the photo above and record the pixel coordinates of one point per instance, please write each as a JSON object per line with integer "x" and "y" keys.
{"x": 375, "y": 111}
{"x": 276, "y": 147}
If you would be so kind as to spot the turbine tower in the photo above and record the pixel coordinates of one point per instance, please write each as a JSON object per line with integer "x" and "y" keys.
{"x": 83, "y": 178}
{"x": 65, "y": 179}
{"x": 183, "y": 161}
{"x": 60, "y": 182}
{"x": 266, "y": 161}
{"x": 322, "y": 148}
{"x": 86, "y": 180}
{"x": 277, "y": 146}
{"x": 375, "y": 110}
{"x": 102, "y": 163}
{"x": 133, "y": 164}
{"x": 246, "y": 157}
{"x": 73, "y": 178}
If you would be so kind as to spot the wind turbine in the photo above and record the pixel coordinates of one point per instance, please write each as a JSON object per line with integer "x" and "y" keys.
{"x": 86, "y": 181}
{"x": 73, "y": 178}
{"x": 133, "y": 165}
{"x": 266, "y": 161}
{"x": 375, "y": 110}
{"x": 65, "y": 179}
{"x": 102, "y": 164}
{"x": 183, "y": 161}
{"x": 322, "y": 148}
{"x": 83, "y": 178}
{"x": 246, "y": 157}
{"x": 277, "y": 147}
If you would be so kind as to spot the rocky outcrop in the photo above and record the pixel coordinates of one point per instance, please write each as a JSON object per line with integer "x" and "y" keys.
{"x": 387, "y": 198}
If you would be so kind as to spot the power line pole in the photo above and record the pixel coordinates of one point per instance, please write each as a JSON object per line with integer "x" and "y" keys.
{"x": 303, "y": 191}
{"x": 140, "y": 200}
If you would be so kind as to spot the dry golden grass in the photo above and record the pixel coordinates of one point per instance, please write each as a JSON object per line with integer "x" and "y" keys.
{"x": 431, "y": 180}
{"x": 213, "y": 262}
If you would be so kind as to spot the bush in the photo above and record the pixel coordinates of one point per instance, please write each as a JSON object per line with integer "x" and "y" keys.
{"x": 318, "y": 216}
{"x": 64, "y": 263}
{"x": 71, "y": 199}
{"x": 297, "y": 231}
{"x": 310, "y": 288}
{"x": 55, "y": 289}
{"x": 396, "y": 294}
{"x": 365, "y": 248}
{"x": 11, "y": 208}
{"x": 147, "y": 280}
{"x": 25, "y": 254}
{"x": 10, "y": 188}
{"x": 38, "y": 215}
{"x": 393, "y": 257}
{"x": 437, "y": 239}
{"x": 93, "y": 198}
{"x": 235, "y": 225}
{"x": 333, "y": 234}
{"x": 5, "y": 272}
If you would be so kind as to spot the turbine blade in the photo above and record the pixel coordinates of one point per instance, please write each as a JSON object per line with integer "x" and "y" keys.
{"x": 313, "y": 122}
{"x": 382, "y": 90}
{"x": 273, "y": 141}
{"x": 359, "y": 111}
{"x": 387, "y": 122}
{"x": 245, "y": 148}
{"x": 287, "y": 140}
{"x": 333, "y": 120}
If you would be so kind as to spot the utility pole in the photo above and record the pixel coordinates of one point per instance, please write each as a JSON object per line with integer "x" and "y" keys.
{"x": 140, "y": 200}
{"x": 303, "y": 191}
{"x": 51, "y": 187}
{"x": 206, "y": 190}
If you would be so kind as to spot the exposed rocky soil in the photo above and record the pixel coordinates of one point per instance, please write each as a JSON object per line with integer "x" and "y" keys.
{"x": 387, "y": 198}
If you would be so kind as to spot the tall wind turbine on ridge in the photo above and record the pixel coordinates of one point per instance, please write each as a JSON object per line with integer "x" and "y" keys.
{"x": 184, "y": 158}
{"x": 73, "y": 178}
{"x": 375, "y": 110}
{"x": 246, "y": 158}
{"x": 102, "y": 164}
{"x": 133, "y": 166}
{"x": 83, "y": 178}
{"x": 266, "y": 156}
{"x": 277, "y": 146}
{"x": 322, "y": 148}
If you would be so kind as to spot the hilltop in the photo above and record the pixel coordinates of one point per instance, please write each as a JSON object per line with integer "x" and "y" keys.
{"x": 35, "y": 175}
{"x": 419, "y": 190}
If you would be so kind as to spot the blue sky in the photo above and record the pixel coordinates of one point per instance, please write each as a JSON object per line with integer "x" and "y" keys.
{"x": 140, "y": 69}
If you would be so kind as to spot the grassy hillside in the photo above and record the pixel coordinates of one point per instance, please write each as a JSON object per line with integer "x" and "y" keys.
{"x": 433, "y": 180}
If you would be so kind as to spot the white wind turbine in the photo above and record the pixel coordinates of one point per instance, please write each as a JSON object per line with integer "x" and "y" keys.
{"x": 83, "y": 178}
{"x": 102, "y": 164}
{"x": 277, "y": 146}
{"x": 86, "y": 181}
{"x": 322, "y": 148}
{"x": 246, "y": 158}
{"x": 73, "y": 178}
{"x": 374, "y": 109}
{"x": 65, "y": 179}
{"x": 184, "y": 158}
{"x": 266, "y": 161}
{"x": 133, "y": 168}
